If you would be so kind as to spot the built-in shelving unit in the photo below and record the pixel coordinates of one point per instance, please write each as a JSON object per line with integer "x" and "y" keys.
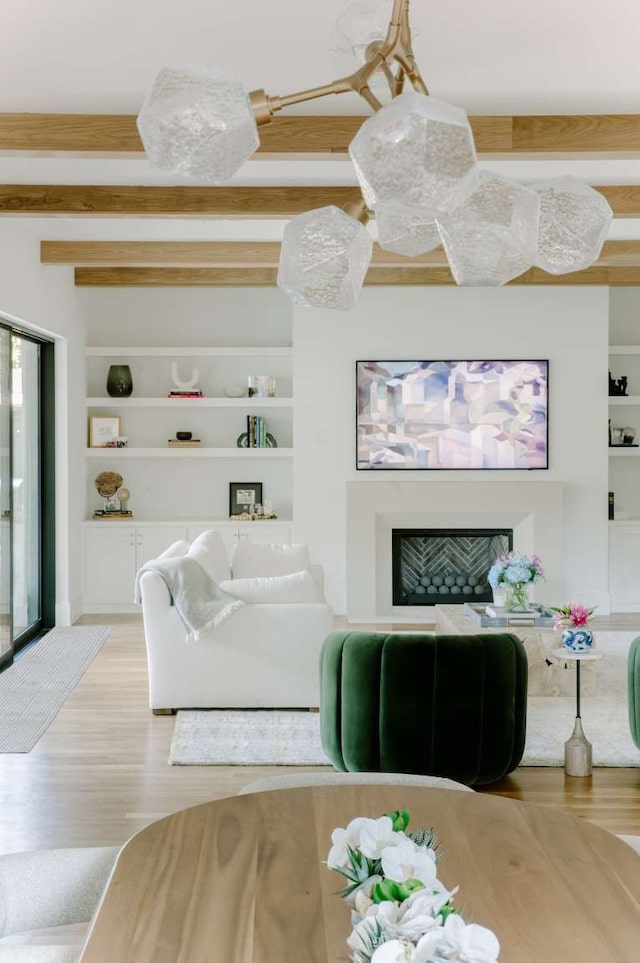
{"x": 149, "y": 418}
{"x": 632, "y": 353}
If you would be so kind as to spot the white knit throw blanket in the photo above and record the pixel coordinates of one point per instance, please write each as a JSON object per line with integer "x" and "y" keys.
{"x": 199, "y": 602}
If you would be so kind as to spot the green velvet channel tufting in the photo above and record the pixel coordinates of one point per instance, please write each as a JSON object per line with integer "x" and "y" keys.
{"x": 442, "y": 705}
{"x": 633, "y": 681}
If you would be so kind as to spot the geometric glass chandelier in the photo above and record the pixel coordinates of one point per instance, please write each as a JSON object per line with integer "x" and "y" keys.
{"x": 414, "y": 158}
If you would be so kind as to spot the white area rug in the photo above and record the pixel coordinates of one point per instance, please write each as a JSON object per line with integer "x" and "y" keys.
{"x": 277, "y": 737}
{"x": 33, "y": 689}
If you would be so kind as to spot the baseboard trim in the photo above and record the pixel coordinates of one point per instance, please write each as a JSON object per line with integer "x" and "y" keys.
{"x": 117, "y": 608}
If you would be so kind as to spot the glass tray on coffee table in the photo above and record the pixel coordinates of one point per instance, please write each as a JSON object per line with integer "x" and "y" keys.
{"x": 538, "y": 615}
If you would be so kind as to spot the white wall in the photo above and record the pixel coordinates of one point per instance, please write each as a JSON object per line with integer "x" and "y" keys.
{"x": 569, "y": 326}
{"x": 43, "y": 299}
{"x": 236, "y": 317}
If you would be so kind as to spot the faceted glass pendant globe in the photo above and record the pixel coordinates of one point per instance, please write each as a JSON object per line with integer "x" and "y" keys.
{"x": 324, "y": 258}
{"x": 491, "y": 238}
{"x": 574, "y": 223}
{"x": 418, "y": 152}
{"x": 198, "y": 123}
{"x": 405, "y": 230}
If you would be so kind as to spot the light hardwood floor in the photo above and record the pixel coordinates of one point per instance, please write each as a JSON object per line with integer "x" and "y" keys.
{"x": 100, "y": 772}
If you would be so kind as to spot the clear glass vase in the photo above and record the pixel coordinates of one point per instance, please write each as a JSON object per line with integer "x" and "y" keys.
{"x": 517, "y": 598}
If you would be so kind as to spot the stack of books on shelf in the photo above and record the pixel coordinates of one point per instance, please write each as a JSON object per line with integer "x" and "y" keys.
{"x": 256, "y": 431}
{"x": 188, "y": 393}
{"x": 176, "y": 443}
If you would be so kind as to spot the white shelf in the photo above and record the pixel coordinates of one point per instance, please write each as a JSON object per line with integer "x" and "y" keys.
{"x": 624, "y": 452}
{"x": 244, "y": 402}
{"x": 624, "y": 349}
{"x": 135, "y": 519}
{"x": 194, "y": 352}
{"x": 115, "y": 453}
{"x": 620, "y": 400}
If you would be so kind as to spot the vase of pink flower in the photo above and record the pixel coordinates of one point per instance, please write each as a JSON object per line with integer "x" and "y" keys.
{"x": 573, "y": 619}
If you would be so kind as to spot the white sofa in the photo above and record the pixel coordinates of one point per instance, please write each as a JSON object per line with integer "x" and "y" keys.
{"x": 262, "y": 655}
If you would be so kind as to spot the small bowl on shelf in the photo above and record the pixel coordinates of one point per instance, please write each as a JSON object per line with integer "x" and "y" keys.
{"x": 235, "y": 391}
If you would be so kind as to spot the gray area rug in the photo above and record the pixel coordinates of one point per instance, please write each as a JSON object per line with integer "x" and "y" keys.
{"x": 245, "y": 737}
{"x": 33, "y": 689}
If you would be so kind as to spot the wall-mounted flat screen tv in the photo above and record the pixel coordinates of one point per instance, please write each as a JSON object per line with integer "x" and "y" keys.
{"x": 452, "y": 414}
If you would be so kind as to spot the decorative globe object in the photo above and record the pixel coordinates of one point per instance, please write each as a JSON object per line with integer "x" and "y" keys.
{"x": 324, "y": 257}
{"x": 577, "y": 640}
{"x": 417, "y": 152}
{"x": 574, "y": 223}
{"x": 491, "y": 237}
{"x": 359, "y": 24}
{"x": 198, "y": 122}
{"x": 119, "y": 381}
{"x": 405, "y": 230}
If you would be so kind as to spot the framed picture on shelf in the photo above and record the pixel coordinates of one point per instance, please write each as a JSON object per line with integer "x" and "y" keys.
{"x": 103, "y": 429}
{"x": 243, "y": 496}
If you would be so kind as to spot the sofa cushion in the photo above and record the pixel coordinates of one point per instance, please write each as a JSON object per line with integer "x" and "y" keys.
{"x": 176, "y": 550}
{"x": 209, "y": 550}
{"x": 253, "y": 560}
{"x": 276, "y": 589}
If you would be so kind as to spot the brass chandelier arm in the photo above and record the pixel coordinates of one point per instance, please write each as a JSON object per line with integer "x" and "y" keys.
{"x": 358, "y": 210}
{"x": 396, "y": 47}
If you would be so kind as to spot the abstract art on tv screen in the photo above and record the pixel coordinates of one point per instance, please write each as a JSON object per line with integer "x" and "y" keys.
{"x": 452, "y": 414}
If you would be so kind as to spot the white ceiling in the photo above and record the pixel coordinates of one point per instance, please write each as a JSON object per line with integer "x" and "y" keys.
{"x": 502, "y": 56}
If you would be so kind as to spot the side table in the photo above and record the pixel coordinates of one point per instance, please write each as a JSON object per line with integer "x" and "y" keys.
{"x": 577, "y": 749}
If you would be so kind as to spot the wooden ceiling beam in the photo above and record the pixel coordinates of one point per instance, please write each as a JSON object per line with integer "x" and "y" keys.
{"x": 135, "y": 201}
{"x": 248, "y": 254}
{"x": 216, "y": 254}
{"x": 80, "y": 200}
{"x": 393, "y": 276}
{"x": 300, "y": 136}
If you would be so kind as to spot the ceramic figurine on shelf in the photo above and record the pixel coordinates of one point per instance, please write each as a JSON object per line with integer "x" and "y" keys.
{"x": 184, "y": 388}
{"x": 618, "y": 386}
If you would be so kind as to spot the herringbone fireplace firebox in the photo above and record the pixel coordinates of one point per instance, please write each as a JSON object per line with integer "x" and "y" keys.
{"x": 444, "y": 566}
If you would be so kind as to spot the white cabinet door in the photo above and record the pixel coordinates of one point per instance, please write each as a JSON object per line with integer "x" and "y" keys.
{"x": 152, "y": 540}
{"x": 109, "y": 564}
{"x": 624, "y": 567}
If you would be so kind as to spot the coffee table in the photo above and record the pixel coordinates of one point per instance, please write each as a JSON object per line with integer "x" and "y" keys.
{"x": 242, "y": 879}
{"x": 547, "y": 675}
{"x": 577, "y": 749}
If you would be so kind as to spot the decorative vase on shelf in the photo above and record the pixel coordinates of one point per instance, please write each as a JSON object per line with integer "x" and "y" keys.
{"x": 517, "y": 597}
{"x": 119, "y": 381}
{"x": 577, "y": 640}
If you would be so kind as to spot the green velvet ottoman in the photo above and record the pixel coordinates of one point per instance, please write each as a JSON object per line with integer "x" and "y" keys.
{"x": 633, "y": 688}
{"x": 445, "y": 705}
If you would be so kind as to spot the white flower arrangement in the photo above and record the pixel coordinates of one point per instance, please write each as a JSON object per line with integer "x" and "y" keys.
{"x": 401, "y": 912}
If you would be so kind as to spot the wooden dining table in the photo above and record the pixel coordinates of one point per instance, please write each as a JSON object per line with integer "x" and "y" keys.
{"x": 244, "y": 880}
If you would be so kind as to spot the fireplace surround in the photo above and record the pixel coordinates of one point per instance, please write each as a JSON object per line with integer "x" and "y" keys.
{"x": 533, "y": 510}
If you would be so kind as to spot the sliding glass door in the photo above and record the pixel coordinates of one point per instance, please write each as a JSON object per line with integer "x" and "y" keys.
{"x": 6, "y": 639}
{"x": 26, "y": 489}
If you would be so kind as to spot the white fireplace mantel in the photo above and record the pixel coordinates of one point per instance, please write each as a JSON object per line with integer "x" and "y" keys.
{"x": 534, "y": 510}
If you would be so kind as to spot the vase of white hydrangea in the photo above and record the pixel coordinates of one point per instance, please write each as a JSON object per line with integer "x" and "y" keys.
{"x": 514, "y": 573}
